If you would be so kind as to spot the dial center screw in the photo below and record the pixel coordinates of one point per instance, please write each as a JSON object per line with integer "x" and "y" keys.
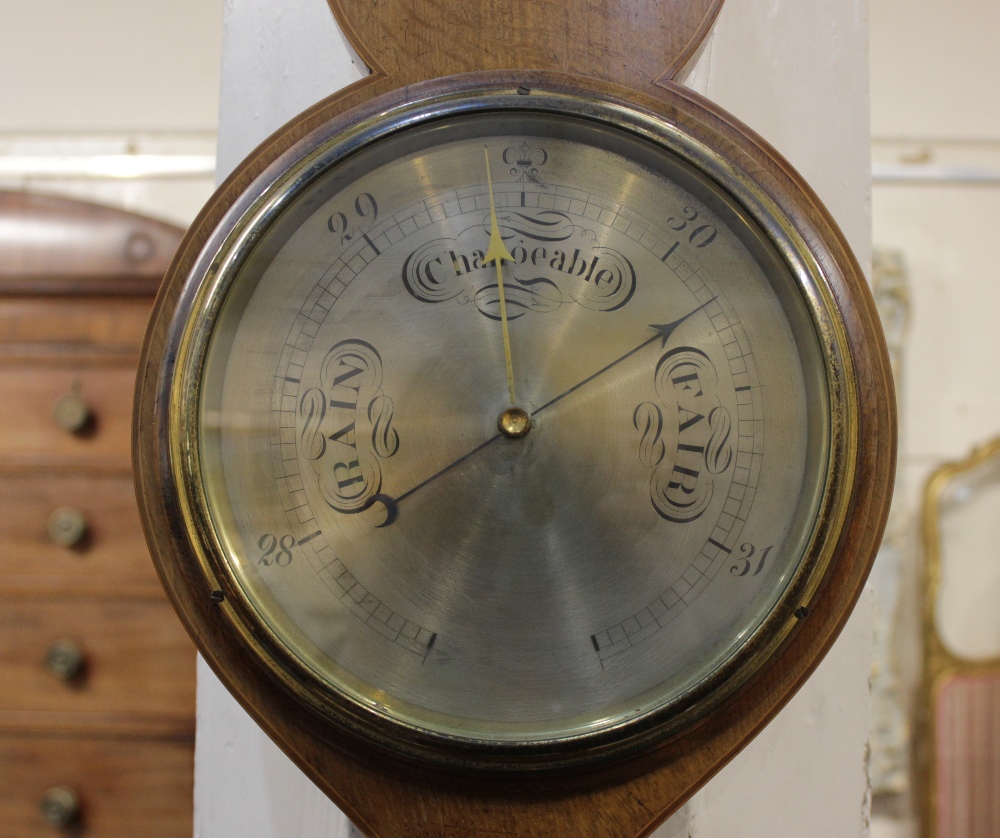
{"x": 514, "y": 422}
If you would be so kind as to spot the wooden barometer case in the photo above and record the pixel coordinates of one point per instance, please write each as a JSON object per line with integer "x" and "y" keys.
{"x": 514, "y": 431}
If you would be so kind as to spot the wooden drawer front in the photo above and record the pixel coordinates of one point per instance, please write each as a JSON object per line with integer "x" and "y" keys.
{"x": 29, "y": 434}
{"x": 73, "y": 324}
{"x": 126, "y": 789}
{"x": 137, "y": 659}
{"x": 111, "y": 553}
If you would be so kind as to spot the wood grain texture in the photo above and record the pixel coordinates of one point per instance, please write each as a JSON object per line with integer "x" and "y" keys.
{"x": 389, "y": 799}
{"x": 637, "y": 43}
{"x": 112, "y": 555}
{"x": 82, "y": 328}
{"x": 50, "y": 244}
{"x": 76, "y": 286}
{"x": 29, "y": 435}
{"x": 138, "y": 661}
{"x": 140, "y": 788}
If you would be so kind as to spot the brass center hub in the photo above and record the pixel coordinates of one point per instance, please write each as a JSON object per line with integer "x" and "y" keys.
{"x": 514, "y": 422}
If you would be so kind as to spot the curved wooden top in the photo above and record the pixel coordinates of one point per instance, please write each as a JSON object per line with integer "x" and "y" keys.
{"x": 50, "y": 244}
{"x": 636, "y": 43}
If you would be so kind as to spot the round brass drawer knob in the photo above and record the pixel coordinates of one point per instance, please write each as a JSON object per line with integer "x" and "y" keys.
{"x": 67, "y": 526}
{"x": 64, "y": 659}
{"x": 60, "y": 806}
{"x": 71, "y": 412}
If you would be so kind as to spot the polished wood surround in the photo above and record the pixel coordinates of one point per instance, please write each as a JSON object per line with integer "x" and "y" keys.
{"x": 639, "y": 44}
{"x": 522, "y": 44}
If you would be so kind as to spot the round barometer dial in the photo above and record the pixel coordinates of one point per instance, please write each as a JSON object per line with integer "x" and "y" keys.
{"x": 514, "y": 427}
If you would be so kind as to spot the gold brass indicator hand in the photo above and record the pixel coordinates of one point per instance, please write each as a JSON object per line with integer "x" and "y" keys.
{"x": 497, "y": 252}
{"x": 663, "y": 331}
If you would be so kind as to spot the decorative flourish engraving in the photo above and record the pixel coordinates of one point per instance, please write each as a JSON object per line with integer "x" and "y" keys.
{"x": 697, "y": 437}
{"x": 648, "y": 420}
{"x": 718, "y": 451}
{"x": 524, "y": 161}
{"x": 555, "y": 262}
{"x": 345, "y": 426}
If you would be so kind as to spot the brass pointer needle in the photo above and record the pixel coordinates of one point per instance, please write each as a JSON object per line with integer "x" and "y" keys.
{"x": 497, "y": 251}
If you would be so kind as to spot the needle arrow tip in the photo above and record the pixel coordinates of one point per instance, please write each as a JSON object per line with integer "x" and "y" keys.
{"x": 663, "y": 330}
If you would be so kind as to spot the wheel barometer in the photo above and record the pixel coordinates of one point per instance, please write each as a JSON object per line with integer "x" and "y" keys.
{"x": 514, "y": 444}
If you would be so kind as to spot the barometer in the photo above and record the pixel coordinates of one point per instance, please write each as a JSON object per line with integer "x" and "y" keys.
{"x": 514, "y": 440}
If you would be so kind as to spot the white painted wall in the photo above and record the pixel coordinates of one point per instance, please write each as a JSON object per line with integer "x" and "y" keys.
{"x": 796, "y": 73}
{"x": 109, "y": 78}
{"x": 935, "y": 68}
{"x": 109, "y": 65}
{"x": 936, "y": 102}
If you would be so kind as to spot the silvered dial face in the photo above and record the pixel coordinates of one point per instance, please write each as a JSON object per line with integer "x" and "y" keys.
{"x": 624, "y": 558}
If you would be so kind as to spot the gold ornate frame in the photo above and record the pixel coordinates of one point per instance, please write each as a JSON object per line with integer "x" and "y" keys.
{"x": 940, "y": 665}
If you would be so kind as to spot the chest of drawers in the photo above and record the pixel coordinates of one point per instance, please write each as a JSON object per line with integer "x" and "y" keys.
{"x": 96, "y": 673}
